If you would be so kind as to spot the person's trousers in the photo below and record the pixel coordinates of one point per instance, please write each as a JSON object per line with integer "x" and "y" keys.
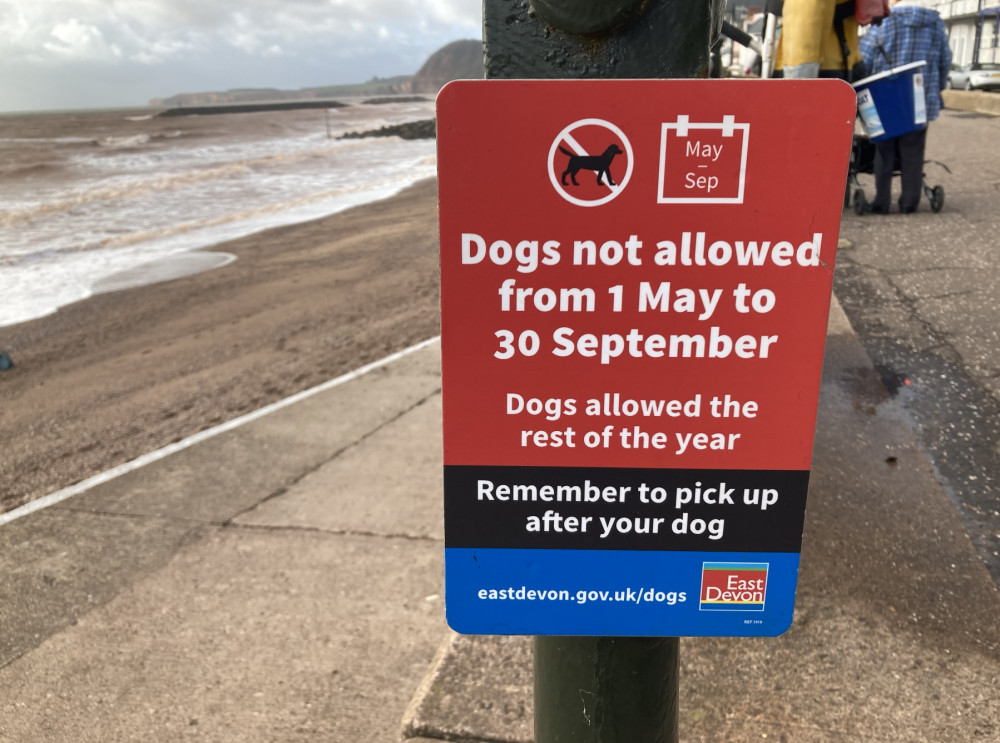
{"x": 910, "y": 148}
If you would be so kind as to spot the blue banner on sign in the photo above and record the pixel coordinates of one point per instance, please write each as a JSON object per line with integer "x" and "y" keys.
{"x": 602, "y": 592}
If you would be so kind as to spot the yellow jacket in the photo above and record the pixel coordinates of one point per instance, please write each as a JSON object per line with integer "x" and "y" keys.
{"x": 808, "y": 43}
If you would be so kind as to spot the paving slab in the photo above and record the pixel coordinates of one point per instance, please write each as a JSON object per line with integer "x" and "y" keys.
{"x": 896, "y": 634}
{"x": 250, "y": 635}
{"x": 55, "y": 569}
{"x": 388, "y": 483}
{"x": 478, "y": 688}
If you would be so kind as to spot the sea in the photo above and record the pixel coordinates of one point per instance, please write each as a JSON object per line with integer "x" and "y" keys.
{"x": 95, "y": 201}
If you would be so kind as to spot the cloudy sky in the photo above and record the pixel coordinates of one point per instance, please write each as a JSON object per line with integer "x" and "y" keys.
{"x": 99, "y": 53}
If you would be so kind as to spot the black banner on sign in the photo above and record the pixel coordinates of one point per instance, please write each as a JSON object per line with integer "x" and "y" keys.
{"x": 624, "y": 509}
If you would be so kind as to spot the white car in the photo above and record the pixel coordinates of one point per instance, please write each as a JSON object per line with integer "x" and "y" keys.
{"x": 975, "y": 76}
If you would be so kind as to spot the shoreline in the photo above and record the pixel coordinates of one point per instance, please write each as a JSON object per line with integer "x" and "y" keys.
{"x": 190, "y": 260}
{"x": 167, "y": 268}
{"x": 136, "y": 367}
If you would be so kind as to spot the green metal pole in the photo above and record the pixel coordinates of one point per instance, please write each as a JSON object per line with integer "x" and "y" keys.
{"x": 606, "y": 689}
{"x": 602, "y": 689}
{"x": 599, "y": 38}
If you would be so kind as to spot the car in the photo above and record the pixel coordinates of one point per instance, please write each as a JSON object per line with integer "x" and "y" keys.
{"x": 975, "y": 76}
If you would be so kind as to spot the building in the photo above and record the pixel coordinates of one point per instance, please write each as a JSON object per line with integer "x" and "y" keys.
{"x": 973, "y": 28}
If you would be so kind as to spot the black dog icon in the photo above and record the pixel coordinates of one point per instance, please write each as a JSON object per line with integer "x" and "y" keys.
{"x": 600, "y": 164}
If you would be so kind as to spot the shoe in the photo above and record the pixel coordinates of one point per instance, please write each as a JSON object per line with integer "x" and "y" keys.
{"x": 907, "y": 209}
{"x": 880, "y": 209}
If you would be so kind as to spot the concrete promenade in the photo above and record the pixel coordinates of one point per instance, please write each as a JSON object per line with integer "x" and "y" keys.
{"x": 282, "y": 581}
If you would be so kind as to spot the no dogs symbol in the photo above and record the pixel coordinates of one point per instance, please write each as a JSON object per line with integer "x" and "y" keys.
{"x": 590, "y": 162}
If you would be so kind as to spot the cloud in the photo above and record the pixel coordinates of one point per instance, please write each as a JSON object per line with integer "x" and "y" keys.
{"x": 75, "y": 40}
{"x": 253, "y": 24}
{"x": 162, "y": 50}
{"x": 342, "y": 40}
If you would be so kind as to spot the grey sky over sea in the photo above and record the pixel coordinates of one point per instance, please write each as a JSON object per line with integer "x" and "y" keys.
{"x": 66, "y": 54}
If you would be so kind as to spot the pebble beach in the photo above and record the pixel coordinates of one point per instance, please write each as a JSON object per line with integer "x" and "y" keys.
{"x": 129, "y": 370}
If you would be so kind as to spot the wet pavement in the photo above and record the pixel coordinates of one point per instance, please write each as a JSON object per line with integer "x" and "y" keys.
{"x": 922, "y": 292}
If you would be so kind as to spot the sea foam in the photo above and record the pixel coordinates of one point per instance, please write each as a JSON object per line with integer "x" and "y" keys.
{"x": 151, "y": 192}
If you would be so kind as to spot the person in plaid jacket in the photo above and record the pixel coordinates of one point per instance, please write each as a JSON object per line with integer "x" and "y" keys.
{"x": 912, "y": 33}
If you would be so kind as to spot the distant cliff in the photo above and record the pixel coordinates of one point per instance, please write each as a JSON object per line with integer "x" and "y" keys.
{"x": 458, "y": 60}
{"x": 375, "y": 86}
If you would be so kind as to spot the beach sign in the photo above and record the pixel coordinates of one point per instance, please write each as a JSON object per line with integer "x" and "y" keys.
{"x": 635, "y": 284}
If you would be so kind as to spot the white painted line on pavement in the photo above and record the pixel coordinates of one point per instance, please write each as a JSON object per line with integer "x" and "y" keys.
{"x": 60, "y": 495}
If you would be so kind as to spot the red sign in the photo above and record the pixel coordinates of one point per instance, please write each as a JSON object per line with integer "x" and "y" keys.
{"x": 636, "y": 276}
{"x": 689, "y": 269}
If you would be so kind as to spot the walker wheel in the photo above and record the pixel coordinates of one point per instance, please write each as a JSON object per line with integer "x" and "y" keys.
{"x": 937, "y": 198}
{"x": 860, "y": 202}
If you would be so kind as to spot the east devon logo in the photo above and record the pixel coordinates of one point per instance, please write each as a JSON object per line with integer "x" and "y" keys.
{"x": 733, "y": 586}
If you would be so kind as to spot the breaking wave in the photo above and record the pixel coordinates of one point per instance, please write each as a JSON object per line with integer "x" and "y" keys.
{"x": 132, "y": 188}
{"x": 134, "y": 140}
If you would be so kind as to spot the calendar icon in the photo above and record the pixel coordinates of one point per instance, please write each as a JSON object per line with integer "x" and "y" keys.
{"x": 703, "y": 162}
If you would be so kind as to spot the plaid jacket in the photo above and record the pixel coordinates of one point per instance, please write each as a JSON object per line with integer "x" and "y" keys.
{"x": 911, "y": 34}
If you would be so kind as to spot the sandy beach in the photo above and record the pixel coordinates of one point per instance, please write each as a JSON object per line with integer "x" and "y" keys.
{"x": 122, "y": 373}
